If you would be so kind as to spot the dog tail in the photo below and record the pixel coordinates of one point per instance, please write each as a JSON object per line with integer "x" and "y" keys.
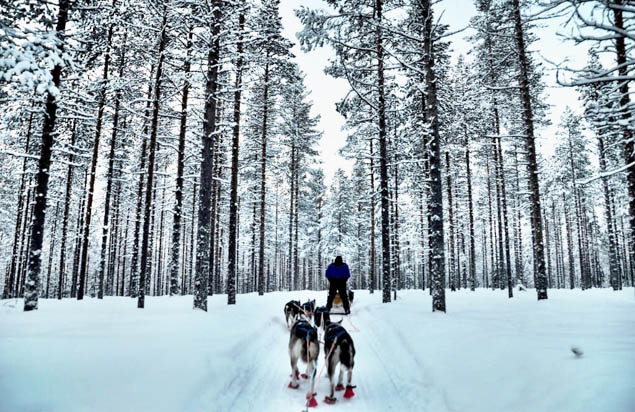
{"x": 347, "y": 353}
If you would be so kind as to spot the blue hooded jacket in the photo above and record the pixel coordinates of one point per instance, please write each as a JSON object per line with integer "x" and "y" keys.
{"x": 338, "y": 271}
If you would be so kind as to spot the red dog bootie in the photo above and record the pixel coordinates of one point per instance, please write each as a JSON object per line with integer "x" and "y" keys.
{"x": 339, "y": 387}
{"x": 329, "y": 400}
{"x": 312, "y": 402}
{"x": 305, "y": 376}
{"x": 349, "y": 392}
{"x": 292, "y": 386}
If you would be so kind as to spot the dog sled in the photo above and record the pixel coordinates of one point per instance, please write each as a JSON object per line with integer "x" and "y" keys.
{"x": 338, "y": 304}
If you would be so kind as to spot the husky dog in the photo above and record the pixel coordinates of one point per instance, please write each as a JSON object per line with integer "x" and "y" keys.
{"x": 302, "y": 339}
{"x": 321, "y": 317}
{"x": 292, "y": 311}
{"x": 351, "y": 296}
{"x": 309, "y": 307}
{"x": 339, "y": 348}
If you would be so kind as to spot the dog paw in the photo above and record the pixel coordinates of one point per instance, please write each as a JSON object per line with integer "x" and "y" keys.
{"x": 305, "y": 376}
{"x": 349, "y": 392}
{"x": 312, "y": 403}
{"x": 329, "y": 400}
{"x": 292, "y": 386}
{"x": 339, "y": 387}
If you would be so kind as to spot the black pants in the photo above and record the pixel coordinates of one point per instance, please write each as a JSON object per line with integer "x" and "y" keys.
{"x": 335, "y": 286}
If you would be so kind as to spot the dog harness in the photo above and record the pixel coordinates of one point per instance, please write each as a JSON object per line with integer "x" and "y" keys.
{"x": 333, "y": 332}
{"x": 306, "y": 329}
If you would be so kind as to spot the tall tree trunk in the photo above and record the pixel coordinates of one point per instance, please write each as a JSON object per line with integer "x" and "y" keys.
{"x": 296, "y": 272}
{"x": 558, "y": 246}
{"x": 472, "y": 252}
{"x": 252, "y": 268}
{"x": 78, "y": 239}
{"x": 490, "y": 221}
{"x": 263, "y": 165}
{"x": 42, "y": 178}
{"x": 83, "y": 265}
{"x": 508, "y": 267}
{"x": 399, "y": 282}
{"x": 624, "y": 253}
{"x": 67, "y": 208}
{"x": 372, "y": 274}
{"x": 125, "y": 256}
{"x": 209, "y": 128}
{"x": 436, "y": 242}
{"x": 134, "y": 286}
{"x": 578, "y": 217}
{"x": 276, "y": 269}
{"x": 219, "y": 232}
{"x": 26, "y": 231}
{"x": 484, "y": 252}
{"x": 627, "y": 133}
{"x": 451, "y": 248}
{"x": 422, "y": 230}
{"x": 567, "y": 221}
{"x": 180, "y": 166}
{"x": 628, "y": 260}
{"x": 500, "y": 263}
{"x": 151, "y": 238}
{"x": 613, "y": 262}
{"x": 111, "y": 165}
{"x": 213, "y": 212}
{"x": 159, "y": 286}
{"x": 358, "y": 217}
{"x": 519, "y": 236}
{"x": 52, "y": 241}
{"x": 233, "y": 196}
{"x": 319, "y": 241}
{"x": 290, "y": 278}
{"x": 188, "y": 286}
{"x": 532, "y": 166}
{"x": 548, "y": 251}
{"x": 383, "y": 156}
{"x": 145, "y": 239}
{"x": 114, "y": 245}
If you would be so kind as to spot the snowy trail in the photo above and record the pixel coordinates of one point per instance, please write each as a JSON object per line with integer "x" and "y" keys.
{"x": 488, "y": 353}
{"x": 262, "y": 373}
{"x": 383, "y": 370}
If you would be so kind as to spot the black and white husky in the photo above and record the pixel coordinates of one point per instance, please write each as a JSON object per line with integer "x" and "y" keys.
{"x": 292, "y": 312}
{"x": 309, "y": 307}
{"x": 339, "y": 349}
{"x": 321, "y": 317}
{"x": 303, "y": 345}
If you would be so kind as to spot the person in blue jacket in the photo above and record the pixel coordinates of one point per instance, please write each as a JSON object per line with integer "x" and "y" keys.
{"x": 338, "y": 273}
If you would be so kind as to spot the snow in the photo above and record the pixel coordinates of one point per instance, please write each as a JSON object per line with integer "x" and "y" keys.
{"x": 488, "y": 353}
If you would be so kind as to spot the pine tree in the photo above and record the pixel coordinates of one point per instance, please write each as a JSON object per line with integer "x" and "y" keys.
{"x": 274, "y": 52}
{"x": 32, "y": 285}
{"x": 175, "y": 254}
{"x": 203, "y": 251}
{"x": 233, "y": 201}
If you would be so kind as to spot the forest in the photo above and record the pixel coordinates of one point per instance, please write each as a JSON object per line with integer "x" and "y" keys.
{"x": 172, "y": 147}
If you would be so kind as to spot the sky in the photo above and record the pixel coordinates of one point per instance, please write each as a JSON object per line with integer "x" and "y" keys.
{"x": 326, "y": 91}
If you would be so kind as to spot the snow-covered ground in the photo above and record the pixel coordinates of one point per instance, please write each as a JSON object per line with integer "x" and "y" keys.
{"x": 488, "y": 353}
